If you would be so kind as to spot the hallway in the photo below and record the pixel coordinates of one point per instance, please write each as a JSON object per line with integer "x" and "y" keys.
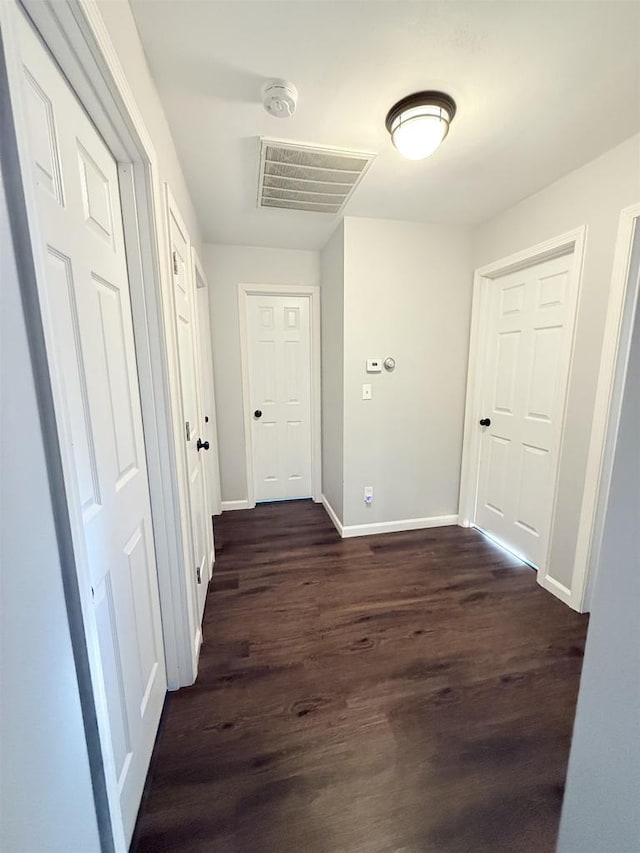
{"x": 409, "y": 692}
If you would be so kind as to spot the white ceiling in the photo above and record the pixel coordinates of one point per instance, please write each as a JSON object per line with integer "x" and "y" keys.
{"x": 541, "y": 87}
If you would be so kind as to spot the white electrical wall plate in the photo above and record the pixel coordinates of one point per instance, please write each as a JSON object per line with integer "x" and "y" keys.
{"x": 374, "y": 365}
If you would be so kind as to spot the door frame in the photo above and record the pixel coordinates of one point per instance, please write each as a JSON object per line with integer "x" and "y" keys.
{"x": 199, "y": 273}
{"x": 192, "y": 615}
{"x": 312, "y": 293}
{"x": 624, "y": 298}
{"x": 570, "y": 242}
{"x": 75, "y": 34}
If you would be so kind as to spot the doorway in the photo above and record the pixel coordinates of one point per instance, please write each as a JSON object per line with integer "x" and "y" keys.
{"x": 209, "y": 426}
{"x": 520, "y": 358}
{"x": 196, "y": 446}
{"x": 88, "y": 320}
{"x": 280, "y": 353}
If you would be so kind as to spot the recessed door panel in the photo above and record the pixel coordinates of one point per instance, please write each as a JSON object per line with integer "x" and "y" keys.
{"x": 512, "y": 299}
{"x": 266, "y": 317}
{"x": 111, "y": 658}
{"x": 266, "y": 371}
{"x": 497, "y": 474}
{"x": 295, "y": 450}
{"x": 112, "y": 343}
{"x": 96, "y": 196}
{"x": 65, "y": 322}
{"x": 551, "y": 291}
{"x": 43, "y": 139}
{"x": 137, "y": 553}
{"x": 293, "y": 365}
{"x": 291, "y": 318}
{"x": 534, "y": 473}
{"x": 506, "y": 371}
{"x": 267, "y": 440}
{"x": 543, "y": 384}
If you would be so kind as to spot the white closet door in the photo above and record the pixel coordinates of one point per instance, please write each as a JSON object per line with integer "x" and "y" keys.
{"x": 212, "y": 469}
{"x": 193, "y": 420}
{"x": 89, "y": 308}
{"x": 280, "y": 395}
{"x": 528, "y": 331}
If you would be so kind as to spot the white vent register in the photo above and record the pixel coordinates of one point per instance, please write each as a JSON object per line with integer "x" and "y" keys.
{"x": 302, "y": 177}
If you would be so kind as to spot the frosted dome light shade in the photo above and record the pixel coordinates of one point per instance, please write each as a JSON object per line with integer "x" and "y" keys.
{"x": 419, "y": 123}
{"x": 419, "y": 137}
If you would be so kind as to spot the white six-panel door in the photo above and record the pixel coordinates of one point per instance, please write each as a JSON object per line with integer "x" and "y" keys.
{"x": 279, "y": 368}
{"x": 88, "y": 305}
{"x": 211, "y": 462}
{"x": 185, "y": 307}
{"x": 527, "y": 330}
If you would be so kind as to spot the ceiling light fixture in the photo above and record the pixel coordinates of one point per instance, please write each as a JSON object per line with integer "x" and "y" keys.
{"x": 419, "y": 123}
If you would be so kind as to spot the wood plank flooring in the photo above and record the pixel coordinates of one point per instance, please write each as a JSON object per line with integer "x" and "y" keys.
{"x": 406, "y": 693}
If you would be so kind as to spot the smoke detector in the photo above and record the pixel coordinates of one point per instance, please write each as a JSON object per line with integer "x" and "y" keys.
{"x": 279, "y": 98}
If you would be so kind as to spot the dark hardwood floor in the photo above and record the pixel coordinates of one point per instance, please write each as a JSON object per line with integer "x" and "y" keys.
{"x": 405, "y": 693}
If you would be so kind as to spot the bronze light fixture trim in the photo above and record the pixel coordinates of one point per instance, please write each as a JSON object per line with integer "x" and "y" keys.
{"x": 420, "y": 122}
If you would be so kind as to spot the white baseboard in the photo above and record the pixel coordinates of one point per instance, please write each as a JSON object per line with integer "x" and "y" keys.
{"x": 558, "y": 589}
{"x": 229, "y": 505}
{"x": 398, "y": 526}
{"x": 349, "y": 531}
{"x": 332, "y": 514}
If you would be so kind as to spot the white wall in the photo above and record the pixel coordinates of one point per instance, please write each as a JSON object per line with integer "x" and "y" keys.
{"x": 593, "y": 195}
{"x": 46, "y": 798}
{"x": 601, "y": 809}
{"x": 123, "y": 32}
{"x": 226, "y": 267}
{"x": 407, "y": 289}
{"x": 332, "y": 274}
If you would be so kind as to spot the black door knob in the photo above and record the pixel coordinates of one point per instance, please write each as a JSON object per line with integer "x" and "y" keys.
{"x": 202, "y": 445}
{"x": 485, "y": 421}
{"x": 257, "y": 413}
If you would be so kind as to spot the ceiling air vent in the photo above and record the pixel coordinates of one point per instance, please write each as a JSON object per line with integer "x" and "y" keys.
{"x": 301, "y": 177}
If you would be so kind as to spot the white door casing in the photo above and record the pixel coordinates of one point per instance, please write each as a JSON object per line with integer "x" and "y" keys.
{"x": 521, "y": 349}
{"x": 624, "y": 299}
{"x": 312, "y": 294}
{"x": 192, "y": 418}
{"x": 89, "y": 313}
{"x": 210, "y": 433}
{"x": 279, "y": 373}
